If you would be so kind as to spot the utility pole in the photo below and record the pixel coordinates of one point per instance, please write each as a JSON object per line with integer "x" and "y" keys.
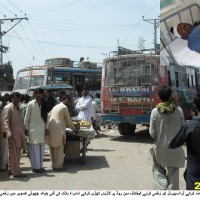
{"x": 4, "y": 49}
{"x": 156, "y": 23}
{"x": 141, "y": 44}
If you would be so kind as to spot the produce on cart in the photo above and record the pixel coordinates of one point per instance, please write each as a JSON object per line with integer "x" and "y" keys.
{"x": 77, "y": 144}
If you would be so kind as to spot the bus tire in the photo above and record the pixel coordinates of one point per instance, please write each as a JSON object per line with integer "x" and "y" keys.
{"x": 129, "y": 128}
{"x": 132, "y": 128}
{"x": 121, "y": 128}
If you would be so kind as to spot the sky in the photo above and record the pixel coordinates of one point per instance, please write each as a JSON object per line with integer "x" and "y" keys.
{"x": 75, "y": 28}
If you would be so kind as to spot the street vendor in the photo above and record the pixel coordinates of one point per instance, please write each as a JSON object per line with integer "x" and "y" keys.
{"x": 59, "y": 120}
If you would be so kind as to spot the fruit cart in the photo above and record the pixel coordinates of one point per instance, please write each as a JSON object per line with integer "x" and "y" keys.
{"x": 76, "y": 145}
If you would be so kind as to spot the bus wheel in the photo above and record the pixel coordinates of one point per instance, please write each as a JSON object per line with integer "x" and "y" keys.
{"x": 132, "y": 129}
{"x": 129, "y": 128}
{"x": 121, "y": 128}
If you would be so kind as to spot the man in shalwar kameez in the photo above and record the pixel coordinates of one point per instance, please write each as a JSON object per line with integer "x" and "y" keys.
{"x": 59, "y": 120}
{"x": 84, "y": 106}
{"x": 36, "y": 125}
{"x": 165, "y": 121}
{"x": 4, "y": 146}
{"x": 15, "y": 134}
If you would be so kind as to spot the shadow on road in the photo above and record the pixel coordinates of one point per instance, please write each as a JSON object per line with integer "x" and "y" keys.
{"x": 102, "y": 135}
{"x": 74, "y": 164}
{"x": 141, "y": 136}
{"x": 100, "y": 150}
{"x": 30, "y": 175}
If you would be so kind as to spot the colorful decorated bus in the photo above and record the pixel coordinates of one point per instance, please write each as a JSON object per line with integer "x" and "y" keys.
{"x": 130, "y": 84}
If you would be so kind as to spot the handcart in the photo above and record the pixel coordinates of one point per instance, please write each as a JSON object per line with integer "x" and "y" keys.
{"x": 76, "y": 145}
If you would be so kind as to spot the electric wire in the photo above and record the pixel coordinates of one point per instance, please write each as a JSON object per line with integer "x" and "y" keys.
{"x": 7, "y": 9}
{"x": 31, "y": 42}
{"x": 56, "y": 9}
{"x": 21, "y": 39}
{"x": 37, "y": 40}
{"x": 138, "y": 23}
{"x": 16, "y": 7}
{"x": 78, "y": 29}
{"x": 69, "y": 45}
{"x": 25, "y": 31}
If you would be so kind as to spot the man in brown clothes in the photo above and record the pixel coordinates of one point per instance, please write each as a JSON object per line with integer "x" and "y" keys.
{"x": 15, "y": 134}
{"x": 59, "y": 120}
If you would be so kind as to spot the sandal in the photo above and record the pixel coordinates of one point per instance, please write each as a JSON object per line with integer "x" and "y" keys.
{"x": 60, "y": 169}
{"x": 19, "y": 176}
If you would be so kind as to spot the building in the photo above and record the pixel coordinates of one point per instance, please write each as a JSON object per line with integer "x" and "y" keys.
{"x": 6, "y": 77}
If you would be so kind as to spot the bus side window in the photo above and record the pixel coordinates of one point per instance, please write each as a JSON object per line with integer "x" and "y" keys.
{"x": 169, "y": 78}
{"x": 188, "y": 81}
{"x": 78, "y": 83}
{"x": 172, "y": 75}
{"x": 88, "y": 81}
{"x": 192, "y": 80}
{"x": 196, "y": 78}
{"x": 176, "y": 77}
{"x": 183, "y": 79}
{"x": 193, "y": 77}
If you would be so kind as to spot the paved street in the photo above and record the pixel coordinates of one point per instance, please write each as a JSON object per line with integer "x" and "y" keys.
{"x": 113, "y": 162}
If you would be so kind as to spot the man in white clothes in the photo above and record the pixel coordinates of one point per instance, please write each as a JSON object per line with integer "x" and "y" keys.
{"x": 84, "y": 106}
{"x": 36, "y": 127}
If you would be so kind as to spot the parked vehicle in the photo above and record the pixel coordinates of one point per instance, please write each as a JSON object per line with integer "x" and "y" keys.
{"x": 57, "y": 71}
{"x": 129, "y": 89}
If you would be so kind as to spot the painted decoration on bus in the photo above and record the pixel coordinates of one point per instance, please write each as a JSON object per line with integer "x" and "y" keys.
{"x": 22, "y": 91}
{"x": 25, "y": 73}
{"x": 126, "y": 96}
{"x": 57, "y": 62}
{"x": 38, "y": 72}
{"x": 186, "y": 95}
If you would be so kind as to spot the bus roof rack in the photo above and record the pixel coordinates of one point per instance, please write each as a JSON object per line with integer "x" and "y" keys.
{"x": 124, "y": 51}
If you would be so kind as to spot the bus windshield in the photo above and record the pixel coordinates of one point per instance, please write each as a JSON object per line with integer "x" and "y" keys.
{"x": 21, "y": 82}
{"x": 29, "y": 77}
{"x": 131, "y": 72}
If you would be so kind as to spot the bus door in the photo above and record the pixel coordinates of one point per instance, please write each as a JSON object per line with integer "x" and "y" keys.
{"x": 78, "y": 82}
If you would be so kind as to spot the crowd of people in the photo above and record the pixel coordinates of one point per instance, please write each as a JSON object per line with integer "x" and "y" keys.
{"x": 26, "y": 126}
